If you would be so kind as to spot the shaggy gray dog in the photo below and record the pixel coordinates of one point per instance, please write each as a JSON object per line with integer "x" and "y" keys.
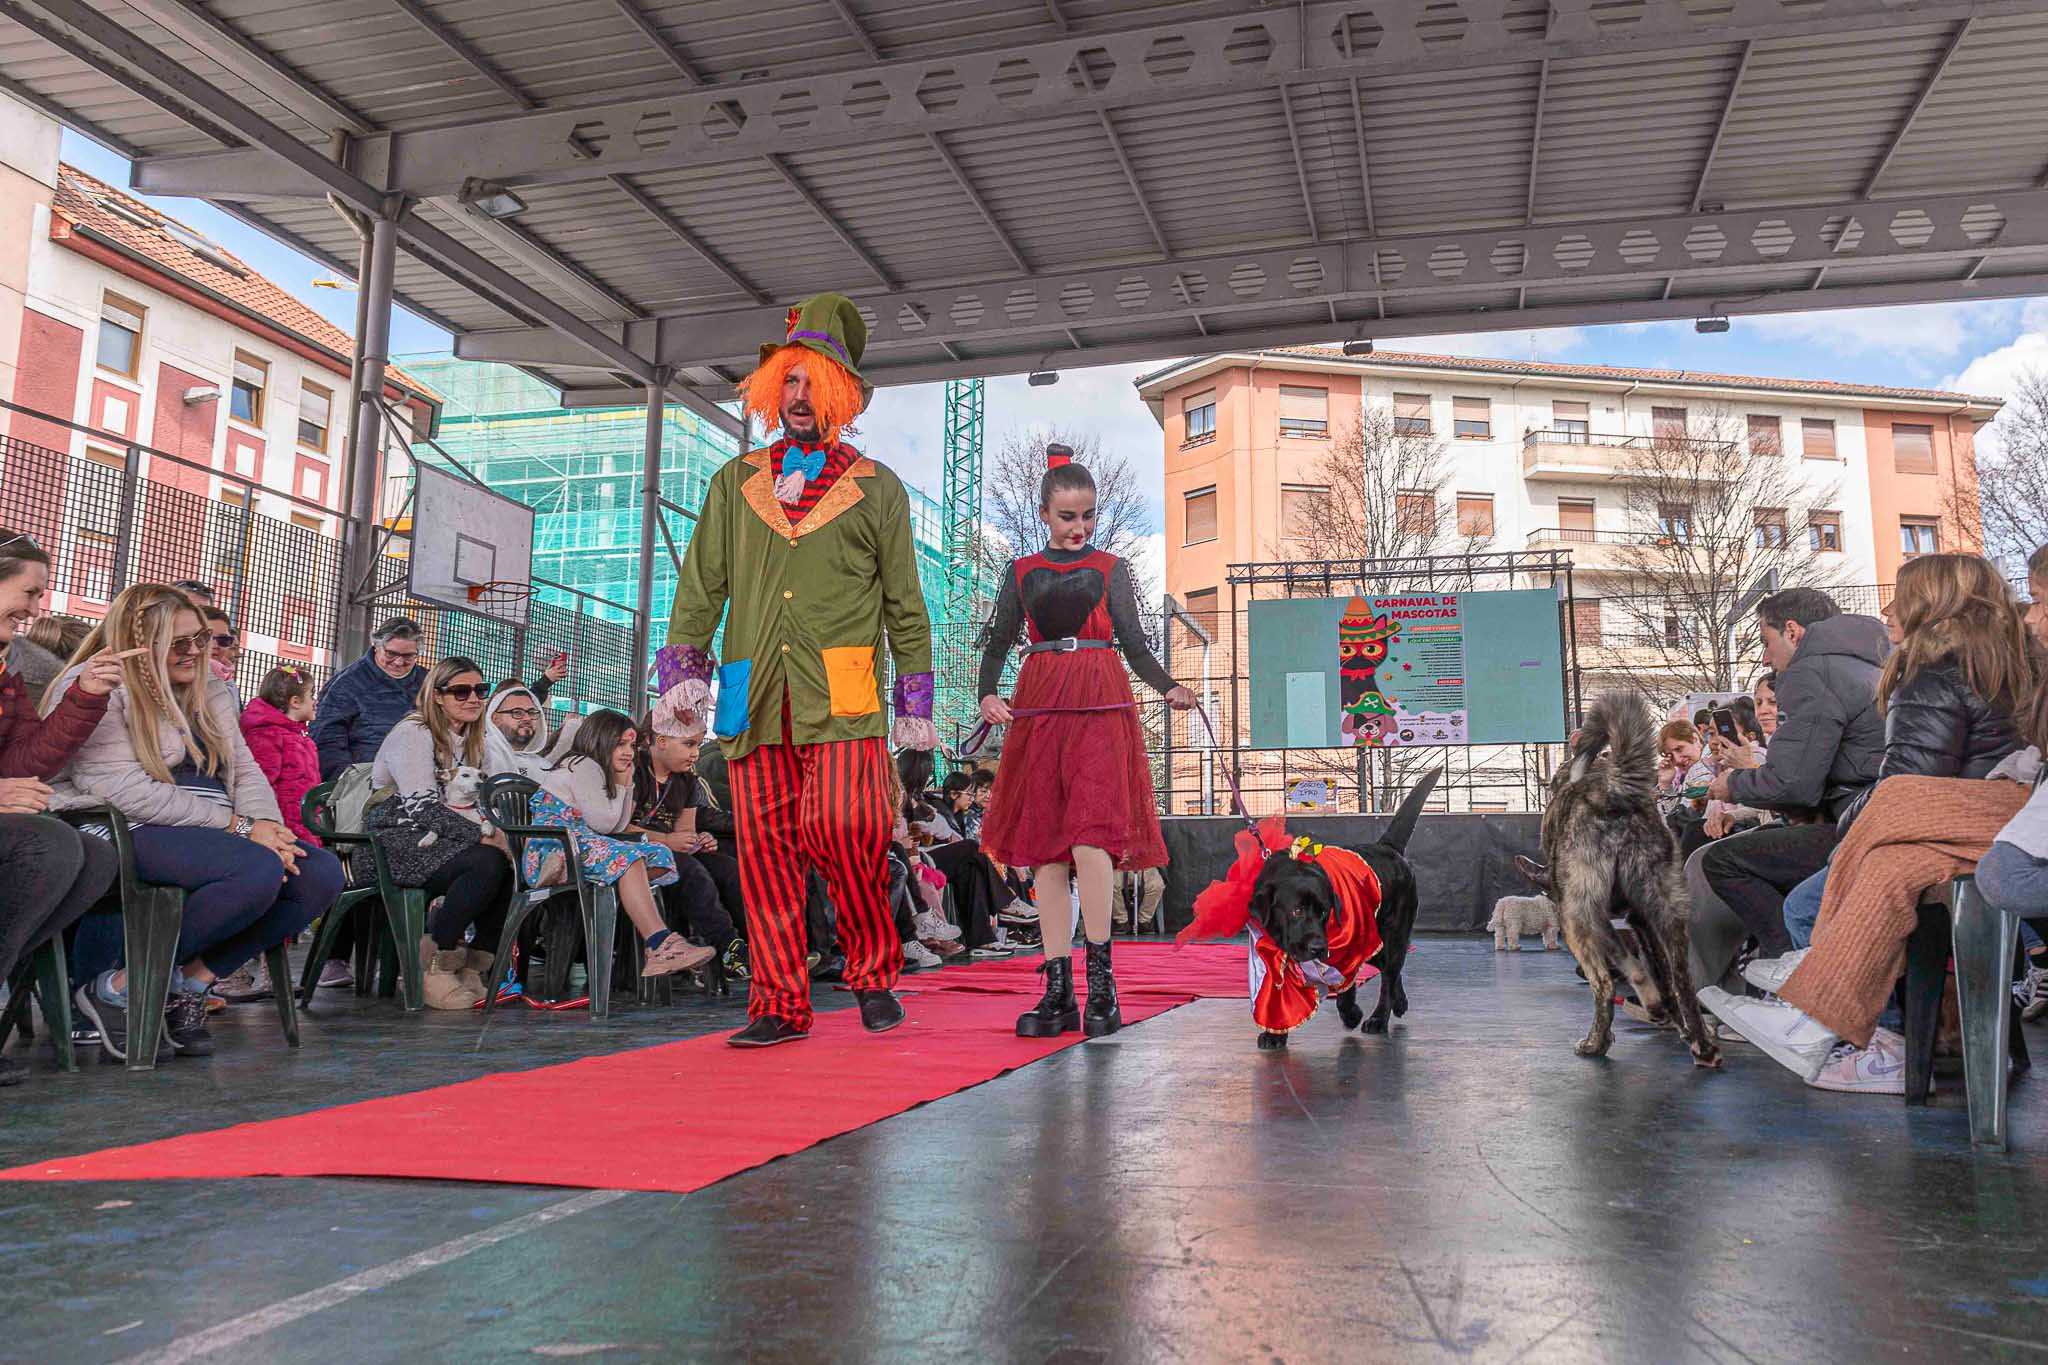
{"x": 1611, "y": 854}
{"x": 1514, "y": 916}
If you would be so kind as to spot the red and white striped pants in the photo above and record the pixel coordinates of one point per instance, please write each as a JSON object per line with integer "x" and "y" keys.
{"x": 823, "y": 806}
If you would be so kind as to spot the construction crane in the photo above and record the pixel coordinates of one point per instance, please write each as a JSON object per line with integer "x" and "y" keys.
{"x": 961, "y": 505}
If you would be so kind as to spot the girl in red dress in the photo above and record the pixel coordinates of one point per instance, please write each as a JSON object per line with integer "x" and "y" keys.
{"x": 1075, "y": 786}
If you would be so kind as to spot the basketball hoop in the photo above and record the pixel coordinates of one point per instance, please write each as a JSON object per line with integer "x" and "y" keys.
{"x": 501, "y": 597}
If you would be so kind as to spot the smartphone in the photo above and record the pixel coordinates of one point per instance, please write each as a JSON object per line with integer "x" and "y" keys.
{"x": 561, "y": 660}
{"x": 1724, "y": 725}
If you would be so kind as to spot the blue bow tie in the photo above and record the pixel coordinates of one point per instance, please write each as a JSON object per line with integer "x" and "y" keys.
{"x": 810, "y": 462}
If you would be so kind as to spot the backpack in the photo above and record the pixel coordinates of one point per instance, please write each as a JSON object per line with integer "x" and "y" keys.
{"x": 349, "y": 801}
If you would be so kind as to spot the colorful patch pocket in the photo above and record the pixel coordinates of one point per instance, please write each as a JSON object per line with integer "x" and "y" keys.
{"x": 850, "y": 673}
{"x": 731, "y": 716}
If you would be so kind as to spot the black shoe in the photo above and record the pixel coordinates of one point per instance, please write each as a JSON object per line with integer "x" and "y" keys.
{"x": 1102, "y": 1016}
{"x": 12, "y": 1072}
{"x": 880, "y": 1011}
{"x": 767, "y": 1031}
{"x": 185, "y": 1024}
{"x": 1055, "y": 1012}
{"x": 112, "y": 1022}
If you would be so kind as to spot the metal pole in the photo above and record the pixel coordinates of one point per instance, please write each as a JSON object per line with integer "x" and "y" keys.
{"x": 650, "y": 518}
{"x": 124, "y": 521}
{"x": 241, "y": 579}
{"x": 373, "y": 344}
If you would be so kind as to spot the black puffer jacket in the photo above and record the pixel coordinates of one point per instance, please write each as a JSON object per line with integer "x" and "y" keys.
{"x": 1936, "y": 726}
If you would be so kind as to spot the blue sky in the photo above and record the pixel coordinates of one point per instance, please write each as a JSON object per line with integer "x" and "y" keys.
{"x": 1977, "y": 347}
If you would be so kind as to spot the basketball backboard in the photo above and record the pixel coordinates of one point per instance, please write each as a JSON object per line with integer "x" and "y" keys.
{"x": 464, "y": 536}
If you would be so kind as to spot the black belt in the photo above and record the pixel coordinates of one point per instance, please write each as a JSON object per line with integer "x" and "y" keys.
{"x": 1065, "y": 646}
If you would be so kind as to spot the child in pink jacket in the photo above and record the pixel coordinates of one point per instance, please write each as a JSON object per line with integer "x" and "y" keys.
{"x": 275, "y": 727}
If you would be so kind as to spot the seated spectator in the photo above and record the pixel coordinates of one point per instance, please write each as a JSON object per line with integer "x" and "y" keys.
{"x": 1949, "y": 694}
{"x": 2014, "y": 884}
{"x": 552, "y": 672}
{"x": 1825, "y": 752}
{"x": 169, "y": 755}
{"x": 1764, "y": 695}
{"x": 1725, "y": 817}
{"x": 977, "y": 893}
{"x": 517, "y": 738}
{"x": 672, "y": 807}
{"x": 197, "y": 593}
{"x": 984, "y": 788}
{"x": 226, "y": 655}
{"x": 1683, "y": 774}
{"x": 465, "y": 872}
{"x": 1148, "y": 888}
{"x": 274, "y": 726}
{"x": 361, "y": 703}
{"x": 55, "y": 873}
{"x": 590, "y": 792}
{"x": 44, "y": 650}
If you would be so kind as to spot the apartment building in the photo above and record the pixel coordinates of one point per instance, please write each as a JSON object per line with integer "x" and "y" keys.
{"x": 1537, "y": 455}
{"x": 140, "y": 328}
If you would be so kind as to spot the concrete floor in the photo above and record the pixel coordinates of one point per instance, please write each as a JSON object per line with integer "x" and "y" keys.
{"x": 1466, "y": 1188}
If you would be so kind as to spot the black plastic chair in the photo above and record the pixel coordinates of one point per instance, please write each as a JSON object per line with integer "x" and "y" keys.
{"x": 151, "y": 917}
{"x": 508, "y": 797}
{"x": 397, "y": 936}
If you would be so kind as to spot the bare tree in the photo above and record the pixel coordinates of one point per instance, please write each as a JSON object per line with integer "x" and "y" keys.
{"x": 1710, "y": 517}
{"x": 2009, "y": 496}
{"x": 1009, "y": 501}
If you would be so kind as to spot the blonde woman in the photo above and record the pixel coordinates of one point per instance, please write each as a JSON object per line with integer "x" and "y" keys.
{"x": 169, "y": 756}
{"x": 466, "y": 873}
{"x": 1959, "y": 674}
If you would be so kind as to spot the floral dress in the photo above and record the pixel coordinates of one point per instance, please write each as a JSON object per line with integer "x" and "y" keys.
{"x": 604, "y": 859}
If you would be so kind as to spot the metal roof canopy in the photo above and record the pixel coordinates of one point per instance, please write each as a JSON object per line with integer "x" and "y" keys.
{"x": 1007, "y": 185}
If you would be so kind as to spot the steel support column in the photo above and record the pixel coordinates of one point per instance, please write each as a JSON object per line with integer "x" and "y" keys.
{"x": 650, "y": 518}
{"x": 365, "y": 459}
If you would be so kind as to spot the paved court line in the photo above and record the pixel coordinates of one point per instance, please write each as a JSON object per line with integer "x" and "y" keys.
{"x": 235, "y": 1331}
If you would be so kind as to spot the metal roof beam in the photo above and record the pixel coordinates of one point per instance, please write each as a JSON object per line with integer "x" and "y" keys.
{"x": 1308, "y": 201}
{"x": 1734, "y": 250}
{"x": 1926, "y": 93}
{"x": 234, "y": 51}
{"x": 645, "y": 202}
{"x": 578, "y": 286}
{"x": 445, "y": 34}
{"x": 831, "y": 220}
{"x": 1030, "y": 80}
{"x": 113, "y": 142}
{"x": 981, "y": 207}
{"x": 1536, "y": 139}
{"x": 637, "y": 17}
{"x": 1699, "y": 188}
{"x": 856, "y": 28}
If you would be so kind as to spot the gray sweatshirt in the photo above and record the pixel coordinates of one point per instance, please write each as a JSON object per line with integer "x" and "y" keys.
{"x": 2028, "y": 831}
{"x": 106, "y": 771}
{"x": 579, "y": 782}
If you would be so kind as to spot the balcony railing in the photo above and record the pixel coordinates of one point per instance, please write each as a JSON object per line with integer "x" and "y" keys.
{"x": 1573, "y": 535}
{"x": 1619, "y": 441}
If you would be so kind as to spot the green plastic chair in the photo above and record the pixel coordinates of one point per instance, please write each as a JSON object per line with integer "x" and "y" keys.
{"x": 44, "y": 979}
{"x": 397, "y": 938}
{"x": 1955, "y": 924}
{"x": 508, "y": 798}
{"x": 151, "y": 917}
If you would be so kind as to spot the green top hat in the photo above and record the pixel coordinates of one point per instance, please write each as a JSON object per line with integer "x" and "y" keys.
{"x": 830, "y": 325}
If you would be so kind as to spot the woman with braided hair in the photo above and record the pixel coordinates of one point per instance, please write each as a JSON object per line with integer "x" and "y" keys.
{"x": 1075, "y": 787}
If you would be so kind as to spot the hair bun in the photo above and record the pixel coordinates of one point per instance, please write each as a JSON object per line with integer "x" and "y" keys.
{"x": 1057, "y": 454}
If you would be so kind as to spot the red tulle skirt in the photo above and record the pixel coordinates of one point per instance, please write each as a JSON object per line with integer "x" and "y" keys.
{"x": 1074, "y": 778}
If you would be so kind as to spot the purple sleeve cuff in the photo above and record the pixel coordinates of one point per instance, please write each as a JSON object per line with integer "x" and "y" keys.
{"x": 675, "y": 664}
{"x": 914, "y": 696}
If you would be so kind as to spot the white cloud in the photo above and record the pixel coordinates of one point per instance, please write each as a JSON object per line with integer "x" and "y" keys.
{"x": 1996, "y": 372}
{"x": 1148, "y": 568}
{"x": 1909, "y": 330}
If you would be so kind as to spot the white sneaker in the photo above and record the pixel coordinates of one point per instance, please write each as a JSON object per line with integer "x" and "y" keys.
{"x": 336, "y": 974}
{"x": 1019, "y": 912}
{"x": 933, "y": 925}
{"x": 2036, "y": 1004}
{"x": 1771, "y": 973}
{"x": 1879, "y": 1069}
{"x": 989, "y": 950}
{"x": 1797, "y": 1042}
{"x": 916, "y": 956}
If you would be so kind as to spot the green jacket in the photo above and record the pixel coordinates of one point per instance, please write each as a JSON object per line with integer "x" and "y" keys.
{"x": 808, "y": 603}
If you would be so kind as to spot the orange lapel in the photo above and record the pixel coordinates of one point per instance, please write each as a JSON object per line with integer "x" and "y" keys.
{"x": 843, "y": 494}
{"x": 759, "y": 491}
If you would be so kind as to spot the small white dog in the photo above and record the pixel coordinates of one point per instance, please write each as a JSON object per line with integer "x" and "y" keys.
{"x": 459, "y": 793}
{"x": 1514, "y": 916}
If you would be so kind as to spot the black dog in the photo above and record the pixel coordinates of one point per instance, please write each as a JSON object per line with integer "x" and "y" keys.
{"x": 1294, "y": 900}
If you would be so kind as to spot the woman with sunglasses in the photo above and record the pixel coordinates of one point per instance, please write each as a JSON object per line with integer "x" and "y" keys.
{"x": 467, "y": 878}
{"x": 169, "y": 755}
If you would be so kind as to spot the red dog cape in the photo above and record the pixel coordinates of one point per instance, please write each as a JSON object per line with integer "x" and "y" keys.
{"x": 1284, "y": 992}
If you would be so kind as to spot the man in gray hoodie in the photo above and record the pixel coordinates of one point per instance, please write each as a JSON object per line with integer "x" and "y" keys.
{"x": 517, "y": 740}
{"x": 1829, "y": 743}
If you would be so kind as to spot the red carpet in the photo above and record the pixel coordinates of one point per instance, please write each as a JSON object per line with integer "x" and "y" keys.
{"x": 679, "y": 1116}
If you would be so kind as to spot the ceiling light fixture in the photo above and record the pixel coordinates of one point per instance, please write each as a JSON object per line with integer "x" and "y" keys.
{"x": 1713, "y": 322}
{"x": 491, "y": 200}
{"x": 1039, "y": 379}
{"x": 1359, "y": 347}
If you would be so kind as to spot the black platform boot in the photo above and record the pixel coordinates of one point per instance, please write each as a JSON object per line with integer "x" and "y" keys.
{"x": 1102, "y": 1015}
{"x": 1056, "y": 1012}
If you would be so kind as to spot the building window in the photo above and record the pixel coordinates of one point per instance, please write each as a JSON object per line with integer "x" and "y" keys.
{"x": 1680, "y": 632}
{"x": 1771, "y": 532}
{"x": 1766, "y": 435}
{"x": 1569, "y": 423}
{"x": 1201, "y": 516}
{"x": 1415, "y": 513}
{"x": 1475, "y": 515}
{"x": 1824, "y": 530}
{"x": 1199, "y": 412}
{"x": 1302, "y": 508}
{"x": 120, "y": 342}
{"x": 1472, "y": 419}
{"x": 252, "y": 376}
{"x": 1817, "y": 438}
{"x": 1201, "y": 605}
{"x": 1667, "y": 424}
{"x": 316, "y": 409}
{"x": 1585, "y": 613}
{"x": 1411, "y": 414}
{"x": 1912, "y": 448}
{"x": 1674, "y": 521}
{"x": 1575, "y": 519}
{"x": 1304, "y": 411}
{"x": 1919, "y": 536}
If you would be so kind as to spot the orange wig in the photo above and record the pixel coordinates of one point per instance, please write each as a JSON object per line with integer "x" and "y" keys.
{"x": 836, "y": 396}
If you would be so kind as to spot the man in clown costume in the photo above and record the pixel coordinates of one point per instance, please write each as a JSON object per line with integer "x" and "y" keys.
{"x": 804, "y": 550}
